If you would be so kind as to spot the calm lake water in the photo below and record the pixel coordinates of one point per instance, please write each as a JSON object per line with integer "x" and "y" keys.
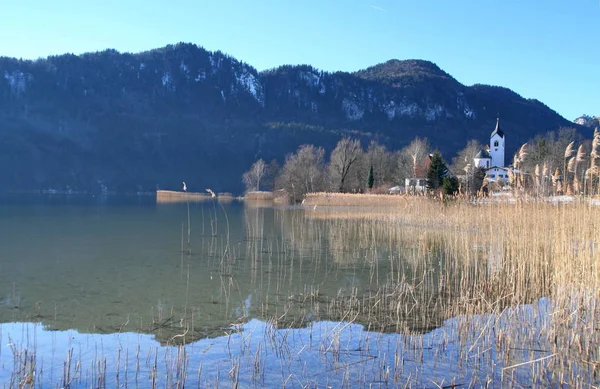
{"x": 107, "y": 292}
{"x": 122, "y": 266}
{"x": 118, "y": 265}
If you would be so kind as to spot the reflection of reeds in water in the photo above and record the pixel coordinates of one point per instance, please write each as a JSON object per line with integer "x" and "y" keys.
{"x": 476, "y": 271}
{"x": 490, "y": 257}
{"x": 225, "y": 198}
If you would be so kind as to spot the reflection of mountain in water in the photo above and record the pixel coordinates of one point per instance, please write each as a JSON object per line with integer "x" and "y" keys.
{"x": 114, "y": 269}
{"x": 324, "y": 354}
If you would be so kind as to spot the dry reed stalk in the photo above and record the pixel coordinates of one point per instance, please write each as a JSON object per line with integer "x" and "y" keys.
{"x": 259, "y": 196}
{"x": 356, "y": 199}
{"x": 580, "y": 154}
{"x": 569, "y": 150}
{"x": 594, "y": 168}
{"x": 557, "y": 182}
{"x": 168, "y": 196}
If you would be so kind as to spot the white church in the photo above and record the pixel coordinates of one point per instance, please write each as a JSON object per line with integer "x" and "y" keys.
{"x": 491, "y": 158}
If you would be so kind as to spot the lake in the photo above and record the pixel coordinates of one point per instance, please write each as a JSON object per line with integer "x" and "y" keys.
{"x": 125, "y": 292}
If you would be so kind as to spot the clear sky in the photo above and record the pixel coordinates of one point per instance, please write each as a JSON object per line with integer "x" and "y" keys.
{"x": 544, "y": 49}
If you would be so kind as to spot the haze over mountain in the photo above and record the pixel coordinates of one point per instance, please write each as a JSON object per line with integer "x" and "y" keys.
{"x": 136, "y": 122}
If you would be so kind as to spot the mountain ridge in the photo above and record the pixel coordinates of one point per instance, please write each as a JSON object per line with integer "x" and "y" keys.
{"x": 134, "y": 122}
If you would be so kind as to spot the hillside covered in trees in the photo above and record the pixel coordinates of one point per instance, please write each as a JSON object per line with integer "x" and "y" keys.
{"x": 122, "y": 122}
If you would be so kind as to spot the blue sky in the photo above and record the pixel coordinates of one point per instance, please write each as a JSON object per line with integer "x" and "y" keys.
{"x": 544, "y": 49}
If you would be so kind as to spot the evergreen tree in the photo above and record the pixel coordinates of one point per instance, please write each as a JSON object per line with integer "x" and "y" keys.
{"x": 371, "y": 178}
{"x": 436, "y": 171}
{"x": 450, "y": 185}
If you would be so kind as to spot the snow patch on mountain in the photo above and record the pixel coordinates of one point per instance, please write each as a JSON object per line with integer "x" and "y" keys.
{"x": 201, "y": 76}
{"x": 166, "y": 79}
{"x": 432, "y": 113}
{"x": 352, "y": 110}
{"x": 184, "y": 69}
{"x": 313, "y": 80}
{"x": 17, "y": 80}
{"x": 252, "y": 85}
{"x": 215, "y": 64}
{"x": 409, "y": 109}
{"x": 469, "y": 113}
{"x": 403, "y": 108}
{"x": 310, "y": 78}
{"x": 390, "y": 109}
{"x": 461, "y": 105}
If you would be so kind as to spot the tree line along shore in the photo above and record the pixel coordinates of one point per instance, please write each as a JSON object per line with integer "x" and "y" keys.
{"x": 556, "y": 163}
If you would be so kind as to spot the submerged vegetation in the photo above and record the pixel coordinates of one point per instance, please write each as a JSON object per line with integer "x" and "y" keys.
{"x": 411, "y": 293}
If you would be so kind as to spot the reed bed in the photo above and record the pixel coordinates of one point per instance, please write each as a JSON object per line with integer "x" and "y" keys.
{"x": 354, "y": 199}
{"x": 170, "y": 196}
{"x": 259, "y": 196}
{"x": 495, "y": 256}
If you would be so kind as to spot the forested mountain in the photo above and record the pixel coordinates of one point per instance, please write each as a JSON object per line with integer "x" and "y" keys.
{"x": 135, "y": 122}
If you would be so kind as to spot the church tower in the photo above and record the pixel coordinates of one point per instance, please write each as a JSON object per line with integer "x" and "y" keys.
{"x": 497, "y": 146}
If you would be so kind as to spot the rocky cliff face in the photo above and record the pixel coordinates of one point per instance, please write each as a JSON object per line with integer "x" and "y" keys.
{"x": 588, "y": 121}
{"x": 134, "y": 122}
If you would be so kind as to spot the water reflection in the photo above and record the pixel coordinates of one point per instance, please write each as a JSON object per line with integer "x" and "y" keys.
{"x": 218, "y": 294}
{"x": 106, "y": 269}
{"x": 258, "y": 354}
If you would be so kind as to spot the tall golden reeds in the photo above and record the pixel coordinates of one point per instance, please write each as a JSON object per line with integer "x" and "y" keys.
{"x": 594, "y": 168}
{"x": 580, "y": 157}
{"x": 568, "y": 153}
{"x": 545, "y": 177}
{"x": 518, "y": 161}
{"x": 570, "y": 169}
{"x": 557, "y": 181}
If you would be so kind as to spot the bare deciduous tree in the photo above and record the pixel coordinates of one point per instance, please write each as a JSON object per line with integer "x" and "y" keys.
{"x": 253, "y": 176}
{"x": 550, "y": 149}
{"x": 343, "y": 160}
{"x": 465, "y": 156}
{"x": 411, "y": 159}
{"x": 382, "y": 162}
{"x": 302, "y": 172}
{"x": 418, "y": 150}
{"x": 271, "y": 172}
{"x": 463, "y": 166}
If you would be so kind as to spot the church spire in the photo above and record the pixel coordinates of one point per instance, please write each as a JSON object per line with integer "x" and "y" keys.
{"x": 497, "y": 130}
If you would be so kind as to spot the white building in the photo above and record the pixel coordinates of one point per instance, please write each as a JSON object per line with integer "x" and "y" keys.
{"x": 491, "y": 158}
{"x": 483, "y": 159}
{"x": 415, "y": 185}
{"x": 497, "y": 146}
